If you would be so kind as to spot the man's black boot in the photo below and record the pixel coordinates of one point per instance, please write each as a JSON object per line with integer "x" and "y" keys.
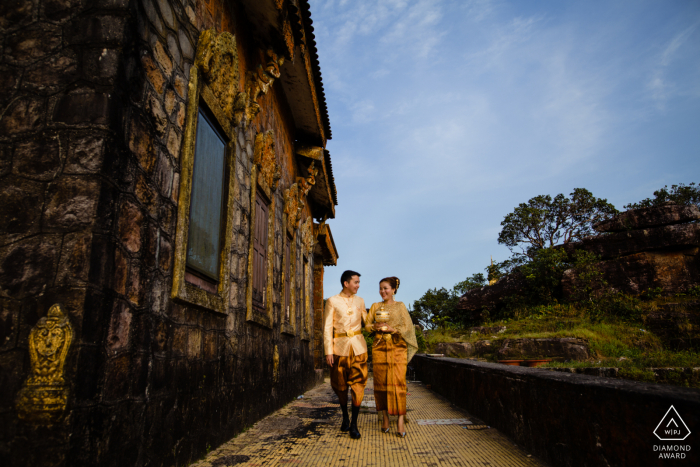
{"x": 345, "y": 426}
{"x": 354, "y": 432}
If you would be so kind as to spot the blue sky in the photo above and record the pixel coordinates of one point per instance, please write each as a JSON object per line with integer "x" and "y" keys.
{"x": 448, "y": 114}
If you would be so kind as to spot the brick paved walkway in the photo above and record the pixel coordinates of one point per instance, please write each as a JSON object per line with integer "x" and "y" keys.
{"x": 306, "y": 433}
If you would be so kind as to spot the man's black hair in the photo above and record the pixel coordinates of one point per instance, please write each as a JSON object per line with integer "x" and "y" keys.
{"x": 346, "y": 276}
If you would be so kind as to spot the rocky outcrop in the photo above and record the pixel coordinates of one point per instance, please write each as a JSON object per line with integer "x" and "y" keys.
{"x": 491, "y": 296}
{"x": 668, "y": 214}
{"x": 640, "y": 249}
{"x": 615, "y": 245}
{"x": 664, "y": 257}
{"x": 564, "y": 349}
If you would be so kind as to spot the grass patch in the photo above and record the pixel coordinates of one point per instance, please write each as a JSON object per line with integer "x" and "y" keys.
{"x": 612, "y": 341}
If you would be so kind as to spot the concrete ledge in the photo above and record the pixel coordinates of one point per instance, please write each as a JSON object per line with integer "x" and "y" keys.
{"x": 567, "y": 419}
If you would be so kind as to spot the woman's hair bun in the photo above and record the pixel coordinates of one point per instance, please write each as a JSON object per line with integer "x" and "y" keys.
{"x": 393, "y": 282}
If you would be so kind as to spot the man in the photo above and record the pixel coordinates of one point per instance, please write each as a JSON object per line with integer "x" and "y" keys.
{"x": 345, "y": 347}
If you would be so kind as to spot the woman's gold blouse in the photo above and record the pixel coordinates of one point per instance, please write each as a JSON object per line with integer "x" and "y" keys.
{"x": 400, "y": 320}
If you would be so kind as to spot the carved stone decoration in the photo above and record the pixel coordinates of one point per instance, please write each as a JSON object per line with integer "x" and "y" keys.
{"x": 265, "y": 158}
{"x": 305, "y": 184}
{"x": 275, "y": 365}
{"x": 258, "y": 82}
{"x": 217, "y": 57}
{"x": 44, "y": 395}
{"x": 307, "y": 237}
{"x": 293, "y": 206}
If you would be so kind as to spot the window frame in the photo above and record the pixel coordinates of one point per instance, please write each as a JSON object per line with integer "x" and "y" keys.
{"x": 186, "y": 288}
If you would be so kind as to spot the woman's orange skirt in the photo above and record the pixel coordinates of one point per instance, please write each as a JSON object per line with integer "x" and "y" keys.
{"x": 389, "y": 360}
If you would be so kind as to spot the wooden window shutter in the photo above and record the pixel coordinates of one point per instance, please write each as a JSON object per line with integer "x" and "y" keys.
{"x": 287, "y": 281}
{"x": 260, "y": 251}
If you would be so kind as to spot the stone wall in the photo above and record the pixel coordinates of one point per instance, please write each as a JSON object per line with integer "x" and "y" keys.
{"x": 91, "y": 131}
{"x": 567, "y": 419}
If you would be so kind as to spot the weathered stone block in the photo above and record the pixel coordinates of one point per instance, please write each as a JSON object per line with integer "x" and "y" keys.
{"x": 20, "y": 208}
{"x": 101, "y": 64}
{"x": 180, "y": 85}
{"x": 38, "y": 159}
{"x": 121, "y": 271}
{"x": 25, "y": 114}
{"x": 33, "y": 43}
{"x": 14, "y": 13}
{"x": 85, "y": 154}
{"x": 455, "y": 349}
{"x": 565, "y": 348}
{"x": 174, "y": 49}
{"x": 169, "y": 102}
{"x": 120, "y": 327}
{"x": 165, "y": 254}
{"x": 130, "y": 223}
{"x": 146, "y": 195}
{"x": 185, "y": 44}
{"x": 162, "y": 58}
{"x": 28, "y": 267}
{"x": 118, "y": 376}
{"x": 141, "y": 144}
{"x": 83, "y": 106}
{"x": 174, "y": 141}
{"x": 655, "y": 216}
{"x": 74, "y": 263}
{"x": 92, "y": 30}
{"x": 167, "y": 13}
{"x": 9, "y": 78}
{"x": 175, "y": 193}
{"x": 71, "y": 203}
{"x": 157, "y": 114}
{"x": 153, "y": 74}
{"x": 52, "y": 74}
{"x": 136, "y": 286}
{"x": 60, "y": 9}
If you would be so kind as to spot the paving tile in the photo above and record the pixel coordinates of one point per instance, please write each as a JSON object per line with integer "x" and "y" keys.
{"x": 306, "y": 433}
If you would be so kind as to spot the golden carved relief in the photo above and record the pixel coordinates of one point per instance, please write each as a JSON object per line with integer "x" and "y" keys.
{"x": 258, "y": 82}
{"x": 44, "y": 394}
{"x": 307, "y": 237}
{"x": 275, "y": 365}
{"x": 217, "y": 58}
{"x": 293, "y": 206}
{"x": 305, "y": 184}
{"x": 265, "y": 158}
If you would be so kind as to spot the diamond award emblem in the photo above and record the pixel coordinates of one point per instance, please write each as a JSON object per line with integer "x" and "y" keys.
{"x": 672, "y": 427}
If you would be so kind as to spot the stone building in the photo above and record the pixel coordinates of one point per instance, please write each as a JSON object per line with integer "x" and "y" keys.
{"x": 161, "y": 166}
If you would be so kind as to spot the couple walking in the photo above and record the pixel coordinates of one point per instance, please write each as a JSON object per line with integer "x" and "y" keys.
{"x": 346, "y": 350}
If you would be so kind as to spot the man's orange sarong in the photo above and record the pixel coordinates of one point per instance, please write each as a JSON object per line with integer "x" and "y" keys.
{"x": 352, "y": 372}
{"x": 389, "y": 358}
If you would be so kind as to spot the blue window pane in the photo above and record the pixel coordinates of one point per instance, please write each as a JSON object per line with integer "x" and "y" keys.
{"x": 207, "y": 198}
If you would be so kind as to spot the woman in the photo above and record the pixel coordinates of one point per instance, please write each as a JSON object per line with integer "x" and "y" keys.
{"x": 394, "y": 346}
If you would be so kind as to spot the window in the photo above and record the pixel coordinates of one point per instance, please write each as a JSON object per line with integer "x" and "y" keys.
{"x": 287, "y": 272}
{"x": 260, "y": 252}
{"x": 206, "y": 201}
{"x": 204, "y": 238}
{"x": 305, "y": 295}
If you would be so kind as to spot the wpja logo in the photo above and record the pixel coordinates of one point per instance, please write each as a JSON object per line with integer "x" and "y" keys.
{"x": 672, "y": 428}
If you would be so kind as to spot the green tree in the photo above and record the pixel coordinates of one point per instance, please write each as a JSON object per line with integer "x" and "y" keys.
{"x": 438, "y": 307}
{"x": 680, "y": 194}
{"x": 544, "y": 222}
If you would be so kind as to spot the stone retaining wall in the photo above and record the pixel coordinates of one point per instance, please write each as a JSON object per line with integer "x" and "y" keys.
{"x": 567, "y": 419}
